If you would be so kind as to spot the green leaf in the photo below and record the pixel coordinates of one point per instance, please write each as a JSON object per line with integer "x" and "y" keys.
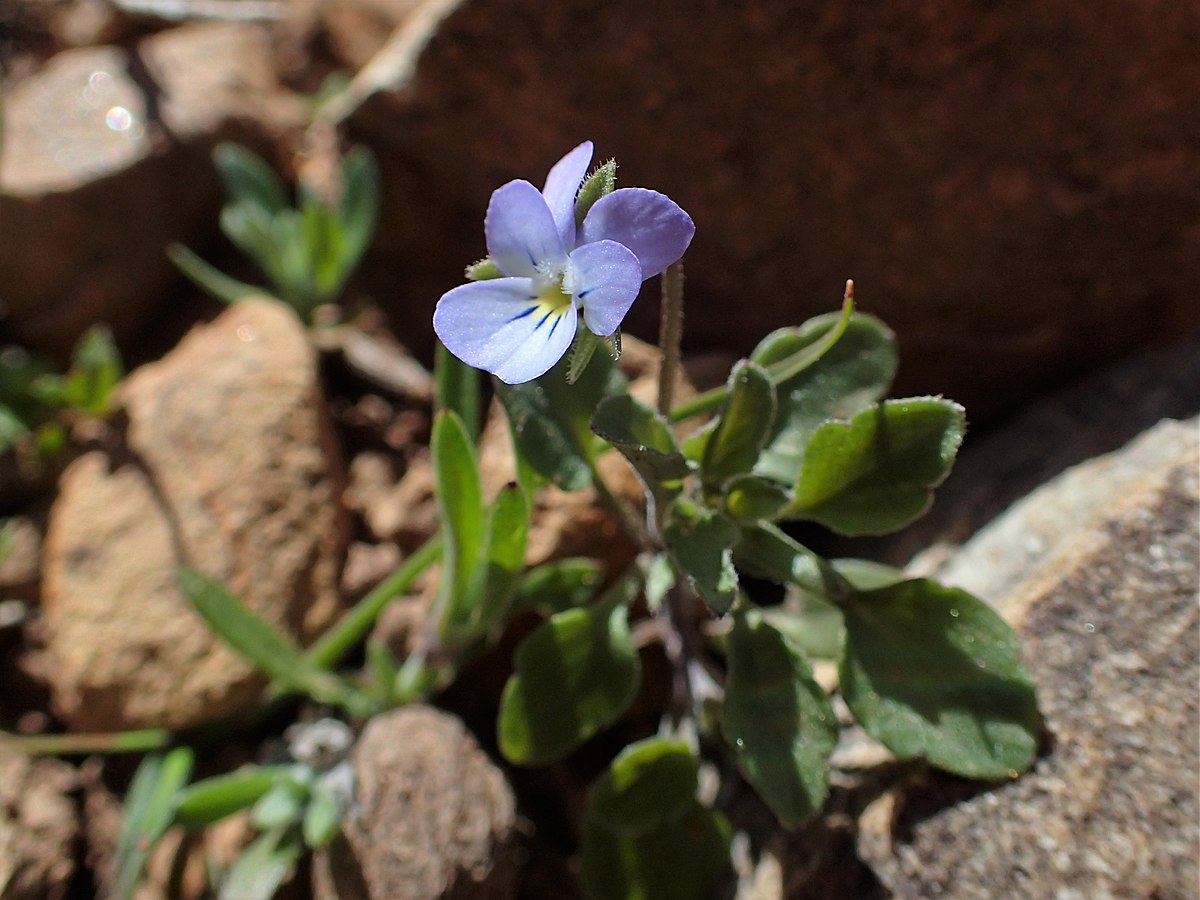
{"x": 460, "y": 500}
{"x": 551, "y": 420}
{"x": 359, "y": 207}
{"x": 248, "y": 179}
{"x": 875, "y": 473}
{"x": 94, "y": 374}
{"x": 282, "y": 805}
{"x": 642, "y": 436}
{"x": 213, "y": 799}
{"x": 12, "y": 429}
{"x": 556, "y": 586}
{"x": 209, "y": 278}
{"x": 686, "y": 859}
{"x": 322, "y": 816}
{"x": 147, "y": 812}
{"x": 262, "y": 867}
{"x": 766, "y": 552}
{"x": 456, "y": 387}
{"x": 701, "y": 540}
{"x": 574, "y": 675}
{"x": 745, "y": 421}
{"x": 323, "y": 250}
{"x": 649, "y": 784}
{"x": 255, "y": 639}
{"x": 932, "y": 671}
{"x": 659, "y": 578}
{"x": 778, "y": 719}
{"x": 499, "y": 570}
{"x": 602, "y": 181}
{"x": 844, "y": 378}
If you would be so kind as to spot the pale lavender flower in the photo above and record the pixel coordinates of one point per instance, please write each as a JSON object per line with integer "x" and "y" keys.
{"x": 519, "y": 326}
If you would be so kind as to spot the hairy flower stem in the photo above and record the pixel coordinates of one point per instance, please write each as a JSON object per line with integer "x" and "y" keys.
{"x": 670, "y": 333}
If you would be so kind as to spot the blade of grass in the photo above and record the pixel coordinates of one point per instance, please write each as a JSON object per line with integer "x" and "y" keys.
{"x": 139, "y": 741}
{"x": 148, "y": 809}
{"x": 209, "y": 277}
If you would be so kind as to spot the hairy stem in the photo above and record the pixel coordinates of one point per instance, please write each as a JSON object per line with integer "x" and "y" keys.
{"x": 670, "y": 333}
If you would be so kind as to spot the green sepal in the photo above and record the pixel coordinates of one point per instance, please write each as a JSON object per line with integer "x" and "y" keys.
{"x": 932, "y": 671}
{"x": 778, "y": 719}
{"x": 574, "y": 675}
{"x": 602, "y": 181}
{"x": 483, "y": 270}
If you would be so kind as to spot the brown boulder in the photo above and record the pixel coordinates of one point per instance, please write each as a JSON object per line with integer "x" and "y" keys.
{"x": 1015, "y": 189}
{"x": 106, "y": 161}
{"x": 229, "y": 466}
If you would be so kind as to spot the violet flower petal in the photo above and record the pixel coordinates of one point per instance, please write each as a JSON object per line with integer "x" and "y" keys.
{"x": 649, "y": 223}
{"x": 521, "y": 234}
{"x": 504, "y": 327}
{"x": 562, "y": 184}
{"x": 605, "y": 277}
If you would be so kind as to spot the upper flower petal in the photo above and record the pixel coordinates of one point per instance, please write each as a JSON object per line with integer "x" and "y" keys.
{"x": 605, "y": 277}
{"x": 649, "y": 223}
{"x": 562, "y": 184}
{"x": 521, "y": 234}
{"x": 502, "y": 326}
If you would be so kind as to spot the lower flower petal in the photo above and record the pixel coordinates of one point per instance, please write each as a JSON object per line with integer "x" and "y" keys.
{"x": 502, "y": 327}
{"x": 649, "y": 223}
{"x": 605, "y": 277}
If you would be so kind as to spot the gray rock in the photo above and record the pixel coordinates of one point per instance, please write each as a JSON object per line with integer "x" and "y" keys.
{"x": 229, "y": 465}
{"x": 434, "y": 817}
{"x": 106, "y": 161}
{"x": 1013, "y": 189}
{"x": 1098, "y": 571}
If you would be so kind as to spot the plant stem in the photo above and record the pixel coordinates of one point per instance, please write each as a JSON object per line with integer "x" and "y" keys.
{"x": 63, "y": 744}
{"x": 670, "y": 334}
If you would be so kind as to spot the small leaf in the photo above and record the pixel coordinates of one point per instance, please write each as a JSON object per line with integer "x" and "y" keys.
{"x": 209, "y": 278}
{"x": 322, "y": 816}
{"x": 147, "y": 812}
{"x": 503, "y": 560}
{"x": 574, "y": 675}
{"x": 551, "y": 420}
{"x": 875, "y": 473}
{"x": 280, "y": 806}
{"x": 778, "y": 719}
{"x": 686, "y": 859}
{"x": 213, "y": 799}
{"x": 745, "y": 421}
{"x": 248, "y": 179}
{"x": 460, "y": 500}
{"x": 456, "y": 387}
{"x": 255, "y": 639}
{"x": 641, "y": 435}
{"x": 846, "y": 377}
{"x": 701, "y": 541}
{"x": 556, "y": 586}
{"x": 359, "y": 206}
{"x": 932, "y": 671}
{"x": 95, "y": 372}
{"x": 749, "y": 498}
{"x": 766, "y": 552}
{"x": 602, "y": 181}
{"x": 649, "y": 784}
{"x": 262, "y": 867}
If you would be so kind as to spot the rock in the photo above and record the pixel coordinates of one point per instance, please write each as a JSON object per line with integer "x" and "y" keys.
{"x": 1013, "y": 190}
{"x": 1104, "y": 600}
{"x": 229, "y": 466}
{"x": 107, "y": 160}
{"x": 39, "y": 826}
{"x": 434, "y": 817}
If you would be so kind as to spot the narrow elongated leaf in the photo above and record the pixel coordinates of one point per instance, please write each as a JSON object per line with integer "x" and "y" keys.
{"x": 248, "y": 179}
{"x": 499, "y": 569}
{"x": 147, "y": 812}
{"x": 456, "y": 387}
{"x": 845, "y": 377}
{"x": 876, "y": 473}
{"x": 262, "y": 867}
{"x": 649, "y": 784}
{"x": 213, "y": 799}
{"x": 778, "y": 719}
{"x": 574, "y": 675}
{"x": 701, "y": 540}
{"x": 460, "y": 500}
{"x": 209, "y": 278}
{"x": 684, "y": 859}
{"x": 932, "y": 671}
{"x": 259, "y": 642}
{"x": 641, "y": 435}
{"x": 359, "y": 207}
{"x": 745, "y": 422}
{"x": 555, "y": 586}
{"x": 551, "y": 419}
